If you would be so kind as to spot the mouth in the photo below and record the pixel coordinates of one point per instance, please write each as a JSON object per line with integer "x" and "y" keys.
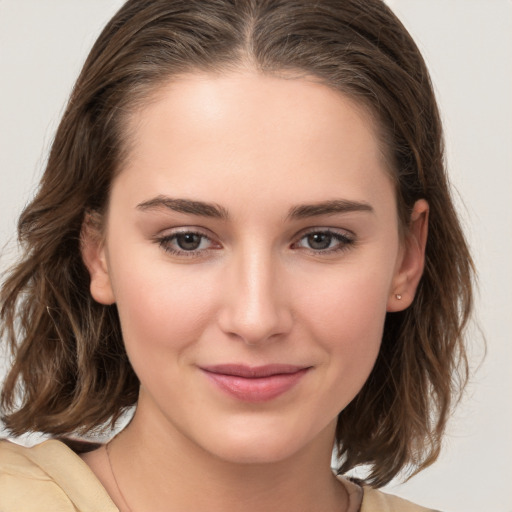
{"x": 255, "y": 384}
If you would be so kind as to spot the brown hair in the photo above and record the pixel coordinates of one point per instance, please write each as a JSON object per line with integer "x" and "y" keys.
{"x": 71, "y": 373}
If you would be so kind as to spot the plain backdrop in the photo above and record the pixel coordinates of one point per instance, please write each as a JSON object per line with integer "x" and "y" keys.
{"x": 468, "y": 46}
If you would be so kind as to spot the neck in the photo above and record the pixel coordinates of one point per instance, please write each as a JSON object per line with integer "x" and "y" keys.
{"x": 190, "y": 478}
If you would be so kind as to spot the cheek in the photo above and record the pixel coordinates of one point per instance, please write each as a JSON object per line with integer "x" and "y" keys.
{"x": 161, "y": 310}
{"x": 346, "y": 318}
{"x": 352, "y": 301}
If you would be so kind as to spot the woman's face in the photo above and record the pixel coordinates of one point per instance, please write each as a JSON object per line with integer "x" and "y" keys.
{"x": 252, "y": 249}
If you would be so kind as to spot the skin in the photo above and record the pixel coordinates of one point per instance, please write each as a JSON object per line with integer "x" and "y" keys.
{"x": 255, "y": 291}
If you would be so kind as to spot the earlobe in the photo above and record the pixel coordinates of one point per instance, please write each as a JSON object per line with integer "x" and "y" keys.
{"x": 412, "y": 260}
{"x": 94, "y": 256}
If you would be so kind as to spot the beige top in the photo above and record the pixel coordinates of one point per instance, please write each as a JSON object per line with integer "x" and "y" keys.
{"x": 50, "y": 477}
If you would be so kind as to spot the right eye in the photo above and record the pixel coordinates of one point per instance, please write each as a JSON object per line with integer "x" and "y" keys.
{"x": 186, "y": 243}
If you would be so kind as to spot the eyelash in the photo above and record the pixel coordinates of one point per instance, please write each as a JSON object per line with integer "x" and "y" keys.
{"x": 344, "y": 242}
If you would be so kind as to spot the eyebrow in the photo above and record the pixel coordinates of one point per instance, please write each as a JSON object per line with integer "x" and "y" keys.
{"x": 328, "y": 208}
{"x": 184, "y": 206}
{"x": 216, "y": 211}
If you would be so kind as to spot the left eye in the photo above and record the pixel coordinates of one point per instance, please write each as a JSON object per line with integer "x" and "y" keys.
{"x": 323, "y": 241}
{"x": 189, "y": 241}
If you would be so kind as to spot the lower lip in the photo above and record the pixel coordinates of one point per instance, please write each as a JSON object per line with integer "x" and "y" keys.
{"x": 260, "y": 389}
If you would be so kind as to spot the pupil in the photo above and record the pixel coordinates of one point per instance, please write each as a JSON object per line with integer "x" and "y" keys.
{"x": 188, "y": 241}
{"x": 319, "y": 240}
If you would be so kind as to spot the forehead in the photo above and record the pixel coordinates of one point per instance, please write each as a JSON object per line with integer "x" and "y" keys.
{"x": 206, "y": 132}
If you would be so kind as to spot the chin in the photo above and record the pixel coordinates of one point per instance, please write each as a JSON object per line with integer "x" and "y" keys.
{"x": 263, "y": 444}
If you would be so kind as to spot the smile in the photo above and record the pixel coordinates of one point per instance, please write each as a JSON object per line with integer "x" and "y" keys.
{"x": 255, "y": 384}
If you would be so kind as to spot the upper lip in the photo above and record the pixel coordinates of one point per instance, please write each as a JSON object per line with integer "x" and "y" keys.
{"x": 253, "y": 372}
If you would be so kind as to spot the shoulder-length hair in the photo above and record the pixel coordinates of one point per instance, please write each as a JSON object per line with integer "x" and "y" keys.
{"x": 71, "y": 373}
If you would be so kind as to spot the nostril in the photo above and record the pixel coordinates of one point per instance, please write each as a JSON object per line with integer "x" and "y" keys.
{"x": 256, "y": 325}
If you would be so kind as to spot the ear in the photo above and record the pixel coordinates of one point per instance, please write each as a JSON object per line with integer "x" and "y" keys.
{"x": 94, "y": 255}
{"x": 411, "y": 261}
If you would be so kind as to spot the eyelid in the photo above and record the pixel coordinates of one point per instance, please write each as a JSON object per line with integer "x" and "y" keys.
{"x": 326, "y": 229}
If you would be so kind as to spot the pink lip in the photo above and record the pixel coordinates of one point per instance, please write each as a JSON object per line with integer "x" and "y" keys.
{"x": 255, "y": 384}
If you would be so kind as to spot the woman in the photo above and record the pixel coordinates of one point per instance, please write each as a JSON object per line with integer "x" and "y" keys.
{"x": 231, "y": 233}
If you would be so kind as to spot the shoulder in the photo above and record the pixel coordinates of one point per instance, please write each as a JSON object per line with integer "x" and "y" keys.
{"x": 365, "y": 499}
{"x": 48, "y": 477}
{"x": 378, "y": 501}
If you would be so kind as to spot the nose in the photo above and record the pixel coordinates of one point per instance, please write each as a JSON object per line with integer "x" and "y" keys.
{"x": 255, "y": 306}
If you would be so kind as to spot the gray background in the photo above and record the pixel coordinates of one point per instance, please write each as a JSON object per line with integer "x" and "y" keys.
{"x": 468, "y": 45}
